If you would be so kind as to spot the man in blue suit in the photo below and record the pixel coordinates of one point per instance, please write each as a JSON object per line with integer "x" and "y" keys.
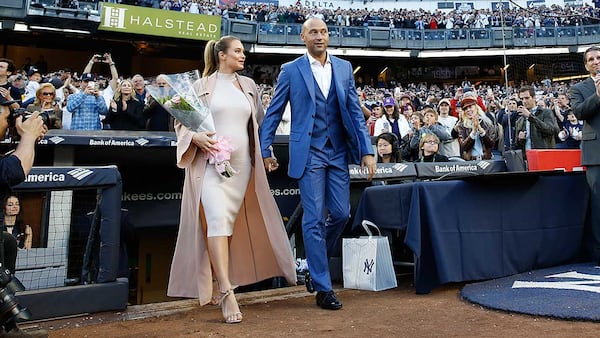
{"x": 328, "y": 131}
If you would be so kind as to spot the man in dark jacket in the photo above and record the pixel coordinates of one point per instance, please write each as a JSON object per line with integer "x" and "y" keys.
{"x": 585, "y": 102}
{"x": 536, "y": 127}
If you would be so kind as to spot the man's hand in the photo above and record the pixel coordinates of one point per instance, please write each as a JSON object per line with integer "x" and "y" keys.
{"x": 270, "y": 164}
{"x": 524, "y": 112}
{"x": 368, "y": 162}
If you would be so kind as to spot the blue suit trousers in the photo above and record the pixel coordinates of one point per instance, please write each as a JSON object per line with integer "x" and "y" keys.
{"x": 325, "y": 194}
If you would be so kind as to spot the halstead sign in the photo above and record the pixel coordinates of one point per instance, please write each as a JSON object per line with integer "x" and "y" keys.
{"x": 148, "y": 21}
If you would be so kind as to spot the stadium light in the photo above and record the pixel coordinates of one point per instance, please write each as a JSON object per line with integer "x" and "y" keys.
{"x": 21, "y": 27}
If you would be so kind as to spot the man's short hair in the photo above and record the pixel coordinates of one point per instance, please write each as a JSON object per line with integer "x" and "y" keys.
{"x": 527, "y": 89}
{"x": 11, "y": 64}
{"x": 591, "y": 49}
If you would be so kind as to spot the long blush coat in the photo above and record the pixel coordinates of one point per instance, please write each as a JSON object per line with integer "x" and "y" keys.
{"x": 259, "y": 247}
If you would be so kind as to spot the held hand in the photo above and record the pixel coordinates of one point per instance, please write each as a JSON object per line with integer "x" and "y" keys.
{"x": 368, "y": 162}
{"x": 113, "y": 105}
{"x": 597, "y": 83}
{"x": 203, "y": 140}
{"x": 270, "y": 164}
{"x": 522, "y": 135}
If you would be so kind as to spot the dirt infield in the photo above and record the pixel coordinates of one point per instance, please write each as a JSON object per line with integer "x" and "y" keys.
{"x": 292, "y": 312}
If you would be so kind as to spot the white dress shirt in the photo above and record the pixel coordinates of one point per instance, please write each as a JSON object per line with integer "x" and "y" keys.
{"x": 322, "y": 73}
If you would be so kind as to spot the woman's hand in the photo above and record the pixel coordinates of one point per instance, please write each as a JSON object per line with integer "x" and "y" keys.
{"x": 124, "y": 105}
{"x": 113, "y": 105}
{"x": 203, "y": 140}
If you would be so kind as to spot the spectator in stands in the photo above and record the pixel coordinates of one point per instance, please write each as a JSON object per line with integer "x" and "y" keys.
{"x": 388, "y": 148}
{"x": 44, "y": 103}
{"x": 8, "y": 92}
{"x": 475, "y": 132}
{"x": 87, "y": 105}
{"x": 429, "y": 146}
{"x": 508, "y": 119}
{"x": 560, "y": 106}
{"x": 536, "y": 127}
{"x": 33, "y": 83}
{"x": 448, "y": 148}
{"x": 410, "y": 150}
{"x": 407, "y": 109}
{"x": 140, "y": 88}
{"x": 66, "y": 114}
{"x": 18, "y": 81}
{"x": 126, "y": 112}
{"x": 375, "y": 123}
{"x": 432, "y": 126}
{"x": 158, "y": 118}
{"x": 107, "y": 91}
{"x": 13, "y": 222}
{"x": 571, "y": 132}
{"x": 392, "y": 121}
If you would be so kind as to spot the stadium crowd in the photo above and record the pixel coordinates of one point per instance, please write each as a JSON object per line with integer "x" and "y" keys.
{"x": 92, "y": 101}
{"x": 534, "y": 16}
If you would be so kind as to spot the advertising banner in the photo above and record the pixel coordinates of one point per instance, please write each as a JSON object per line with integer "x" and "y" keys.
{"x": 149, "y": 21}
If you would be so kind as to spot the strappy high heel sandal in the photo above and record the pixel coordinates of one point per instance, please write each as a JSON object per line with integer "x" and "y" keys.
{"x": 232, "y": 318}
{"x": 214, "y": 300}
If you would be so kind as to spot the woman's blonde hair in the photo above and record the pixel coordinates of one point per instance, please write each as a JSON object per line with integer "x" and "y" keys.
{"x": 468, "y": 123}
{"x": 38, "y": 92}
{"x": 211, "y": 53}
{"x": 118, "y": 94}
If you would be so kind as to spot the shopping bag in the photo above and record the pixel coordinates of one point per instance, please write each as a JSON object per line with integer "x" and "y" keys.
{"x": 367, "y": 262}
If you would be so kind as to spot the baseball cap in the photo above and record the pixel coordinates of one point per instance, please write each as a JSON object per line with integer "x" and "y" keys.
{"x": 446, "y": 101}
{"x": 467, "y": 101}
{"x": 32, "y": 71}
{"x": 404, "y": 95}
{"x": 87, "y": 77}
{"x": 389, "y": 101}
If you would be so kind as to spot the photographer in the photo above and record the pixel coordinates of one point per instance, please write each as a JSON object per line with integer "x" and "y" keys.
{"x": 13, "y": 170}
{"x": 536, "y": 127}
{"x": 86, "y": 105}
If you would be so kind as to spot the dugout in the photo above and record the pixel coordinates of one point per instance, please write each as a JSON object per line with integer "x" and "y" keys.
{"x": 73, "y": 267}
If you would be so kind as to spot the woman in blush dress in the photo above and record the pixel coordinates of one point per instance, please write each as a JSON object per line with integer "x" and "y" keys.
{"x": 230, "y": 228}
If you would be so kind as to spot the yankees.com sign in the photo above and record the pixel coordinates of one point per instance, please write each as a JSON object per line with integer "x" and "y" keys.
{"x": 148, "y": 21}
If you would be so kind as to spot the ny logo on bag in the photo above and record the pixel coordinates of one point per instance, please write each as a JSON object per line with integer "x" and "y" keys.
{"x": 368, "y": 266}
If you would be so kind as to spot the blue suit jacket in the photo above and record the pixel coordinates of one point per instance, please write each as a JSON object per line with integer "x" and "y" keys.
{"x": 296, "y": 85}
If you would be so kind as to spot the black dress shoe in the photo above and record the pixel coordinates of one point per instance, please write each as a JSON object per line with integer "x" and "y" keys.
{"x": 327, "y": 300}
{"x": 308, "y": 282}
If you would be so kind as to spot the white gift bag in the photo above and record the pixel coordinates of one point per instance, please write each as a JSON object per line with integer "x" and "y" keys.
{"x": 367, "y": 262}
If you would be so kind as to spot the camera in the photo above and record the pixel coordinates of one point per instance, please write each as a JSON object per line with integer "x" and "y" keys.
{"x": 100, "y": 57}
{"x": 10, "y": 310}
{"x": 48, "y": 116}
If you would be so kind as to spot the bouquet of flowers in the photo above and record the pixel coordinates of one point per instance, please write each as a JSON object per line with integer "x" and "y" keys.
{"x": 181, "y": 101}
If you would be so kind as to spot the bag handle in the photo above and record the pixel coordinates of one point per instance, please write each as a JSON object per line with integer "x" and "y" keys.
{"x": 366, "y": 224}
